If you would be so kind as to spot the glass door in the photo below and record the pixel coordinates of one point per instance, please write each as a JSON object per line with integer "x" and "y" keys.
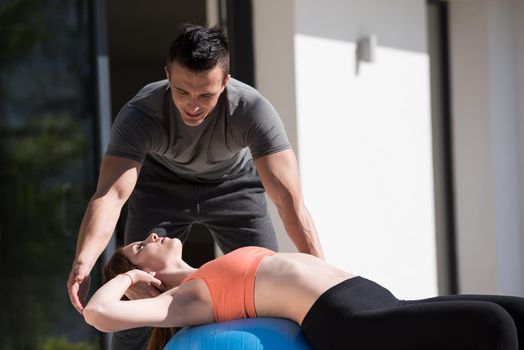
{"x": 47, "y": 169}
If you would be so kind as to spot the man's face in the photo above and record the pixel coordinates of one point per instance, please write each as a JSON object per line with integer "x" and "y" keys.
{"x": 195, "y": 94}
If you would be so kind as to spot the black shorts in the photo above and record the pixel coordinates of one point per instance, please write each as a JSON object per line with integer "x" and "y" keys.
{"x": 234, "y": 211}
{"x": 359, "y": 314}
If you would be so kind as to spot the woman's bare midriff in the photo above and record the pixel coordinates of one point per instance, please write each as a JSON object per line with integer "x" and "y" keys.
{"x": 288, "y": 284}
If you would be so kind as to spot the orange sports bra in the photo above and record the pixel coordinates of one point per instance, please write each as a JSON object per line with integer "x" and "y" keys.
{"x": 231, "y": 282}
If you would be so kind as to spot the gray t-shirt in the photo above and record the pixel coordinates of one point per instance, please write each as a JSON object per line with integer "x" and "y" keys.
{"x": 242, "y": 126}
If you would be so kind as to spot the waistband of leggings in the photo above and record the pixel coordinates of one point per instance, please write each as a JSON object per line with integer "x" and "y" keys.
{"x": 317, "y": 305}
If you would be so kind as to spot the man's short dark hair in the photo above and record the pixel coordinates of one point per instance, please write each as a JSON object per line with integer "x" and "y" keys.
{"x": 199, "y": 48}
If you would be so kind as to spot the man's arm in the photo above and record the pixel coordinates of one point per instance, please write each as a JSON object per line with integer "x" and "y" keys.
{"x": 116, "y": 181}
{"x": 279, "y": 175}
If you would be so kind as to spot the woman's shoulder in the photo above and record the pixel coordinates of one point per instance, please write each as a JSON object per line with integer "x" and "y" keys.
{"x": 192, "y": 301}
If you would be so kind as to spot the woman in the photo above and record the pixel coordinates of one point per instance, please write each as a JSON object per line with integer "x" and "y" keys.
{"x": 335, "y": 309}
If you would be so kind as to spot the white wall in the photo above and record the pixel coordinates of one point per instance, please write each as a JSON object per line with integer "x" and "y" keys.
{"x": 363, "y": 139}
{"x": 274, "y": 28}
{"x": 488, "y": 143}
{"x": 519, "y": 46}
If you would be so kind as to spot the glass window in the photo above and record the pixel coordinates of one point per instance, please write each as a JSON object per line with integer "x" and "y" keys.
{"x": 47, "y": 169}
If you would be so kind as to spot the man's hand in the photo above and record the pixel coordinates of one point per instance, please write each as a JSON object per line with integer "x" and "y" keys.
{"x": 78, "y": 286}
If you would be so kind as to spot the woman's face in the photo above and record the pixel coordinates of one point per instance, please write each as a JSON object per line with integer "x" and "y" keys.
{"x": 154, "y": 253}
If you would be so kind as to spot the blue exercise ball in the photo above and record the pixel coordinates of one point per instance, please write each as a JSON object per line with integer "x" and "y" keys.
{"x": 246, "y": 334}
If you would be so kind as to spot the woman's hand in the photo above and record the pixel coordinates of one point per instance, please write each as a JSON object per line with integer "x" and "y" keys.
{"x": 107, "y": 312}
{"x": 143, "y": 284}
{"x": 138, "y": 275}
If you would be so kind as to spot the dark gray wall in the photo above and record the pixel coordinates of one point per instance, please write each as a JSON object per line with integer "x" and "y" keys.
{"x": 140, "y": 33}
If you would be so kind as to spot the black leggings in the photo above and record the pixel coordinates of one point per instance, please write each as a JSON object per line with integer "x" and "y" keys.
{"x": 360, "y": 314}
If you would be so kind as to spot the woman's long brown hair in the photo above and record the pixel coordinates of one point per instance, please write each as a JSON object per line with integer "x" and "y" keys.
{"x": 119, "y": 263}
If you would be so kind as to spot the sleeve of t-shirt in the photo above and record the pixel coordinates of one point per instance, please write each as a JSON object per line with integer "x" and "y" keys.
{"x": 134, "y": 134}
{"x": 266, "y": 133}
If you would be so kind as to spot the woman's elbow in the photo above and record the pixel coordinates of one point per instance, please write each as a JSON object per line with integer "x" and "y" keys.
{"x": 91, "y": 316}
{"x": 94, "y": 317}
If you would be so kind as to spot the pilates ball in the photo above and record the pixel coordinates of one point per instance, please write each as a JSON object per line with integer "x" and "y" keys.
{"x": 246, "y": 334}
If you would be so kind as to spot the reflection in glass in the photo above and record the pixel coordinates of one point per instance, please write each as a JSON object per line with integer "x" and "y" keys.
{"x": 46, "y": 169}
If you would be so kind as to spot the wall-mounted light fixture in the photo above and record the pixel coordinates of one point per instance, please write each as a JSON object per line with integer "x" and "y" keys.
{"x": 366, "y": 50}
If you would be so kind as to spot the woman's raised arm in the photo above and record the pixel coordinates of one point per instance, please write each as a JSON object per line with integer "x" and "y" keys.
{"x": 106, "y": 312}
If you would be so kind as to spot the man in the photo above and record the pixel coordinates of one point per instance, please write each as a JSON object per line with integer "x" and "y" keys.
{"x": 199, "y": 147}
